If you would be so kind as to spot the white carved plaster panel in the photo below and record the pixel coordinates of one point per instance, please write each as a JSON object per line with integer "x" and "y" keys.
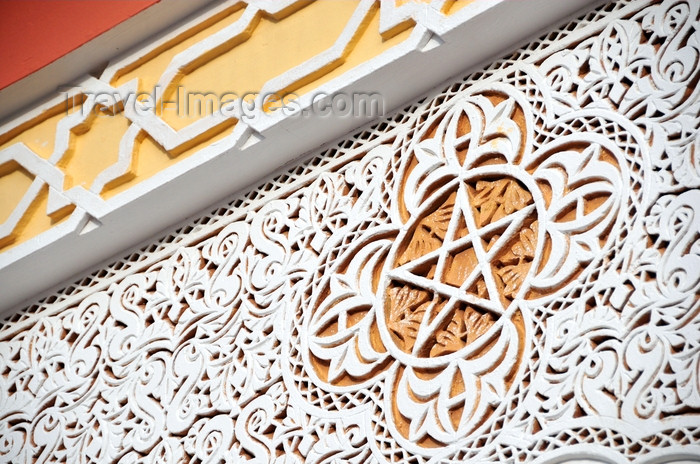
{"x": 505, "y": 271}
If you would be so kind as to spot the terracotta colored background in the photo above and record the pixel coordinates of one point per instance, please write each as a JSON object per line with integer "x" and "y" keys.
{"x": 33, "y": 33}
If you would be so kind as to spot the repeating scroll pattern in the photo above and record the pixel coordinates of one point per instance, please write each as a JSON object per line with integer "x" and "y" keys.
{"x": 510, "y": 275}
{"x": 443, "y": 292}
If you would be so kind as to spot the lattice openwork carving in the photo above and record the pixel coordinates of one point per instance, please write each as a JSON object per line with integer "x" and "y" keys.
{"x": 506, "y": 271}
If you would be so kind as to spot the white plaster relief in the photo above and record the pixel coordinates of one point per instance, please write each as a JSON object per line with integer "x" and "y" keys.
{"x": 210, "y": 354}
{"x": 432, "y": 30}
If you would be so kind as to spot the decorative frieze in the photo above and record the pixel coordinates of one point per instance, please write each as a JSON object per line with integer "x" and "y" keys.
{"x": 506, "y": 271}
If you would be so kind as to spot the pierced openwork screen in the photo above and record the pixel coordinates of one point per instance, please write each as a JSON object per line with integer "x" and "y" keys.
{"x": 506, "y": 271}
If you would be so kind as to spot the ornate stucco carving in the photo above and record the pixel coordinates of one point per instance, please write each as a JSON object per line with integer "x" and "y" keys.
{"x": 193, "y": 104}
{"x": 505, "y": 271}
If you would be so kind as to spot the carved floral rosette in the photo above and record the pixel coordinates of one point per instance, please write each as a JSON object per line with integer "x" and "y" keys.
{"x": 435, "y": 304}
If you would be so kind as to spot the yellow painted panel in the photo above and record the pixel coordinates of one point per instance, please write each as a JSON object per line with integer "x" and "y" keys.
{"x": 92, "y": 149}
{"x": 274, "y": 47}
{"x": 368, "y": 44}
{"x": 150, "y": 158}
{"x": 453, "y": 6}
{"x": 34, "y": 222}
{"x": 149, "y": 69}
{"x": 38, "y": 134}
{"x": 449, "y": 7}
{"x": 14, "y": 183}
{"x": 403, "y": 2}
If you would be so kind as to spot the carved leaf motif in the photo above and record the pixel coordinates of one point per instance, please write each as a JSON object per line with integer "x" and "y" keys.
{"x": 448, "y": 340}
{"x": 464, "y": 328}
{"x": 495, "y": 200}
{"x": 341, "y": 328}
{"x": 493, "y": 130}
{"x": 512, "y": 277}
{"x": 324, "y": 208}
{"x": 525, "y": 247}
{"x": 406, "y": 314}
{"x": 430, "y": 232}
{"x": 585, "y": 194}
{"x": 225, "y": 252}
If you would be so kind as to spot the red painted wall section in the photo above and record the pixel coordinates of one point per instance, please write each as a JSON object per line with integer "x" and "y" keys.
{"x": 33, "y": 33}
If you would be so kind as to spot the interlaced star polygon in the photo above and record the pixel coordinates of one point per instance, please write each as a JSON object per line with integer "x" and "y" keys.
{"x": 487, "y": 241}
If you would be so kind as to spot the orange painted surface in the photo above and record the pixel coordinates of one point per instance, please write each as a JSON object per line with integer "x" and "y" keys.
{"x": 33, "y": 33}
